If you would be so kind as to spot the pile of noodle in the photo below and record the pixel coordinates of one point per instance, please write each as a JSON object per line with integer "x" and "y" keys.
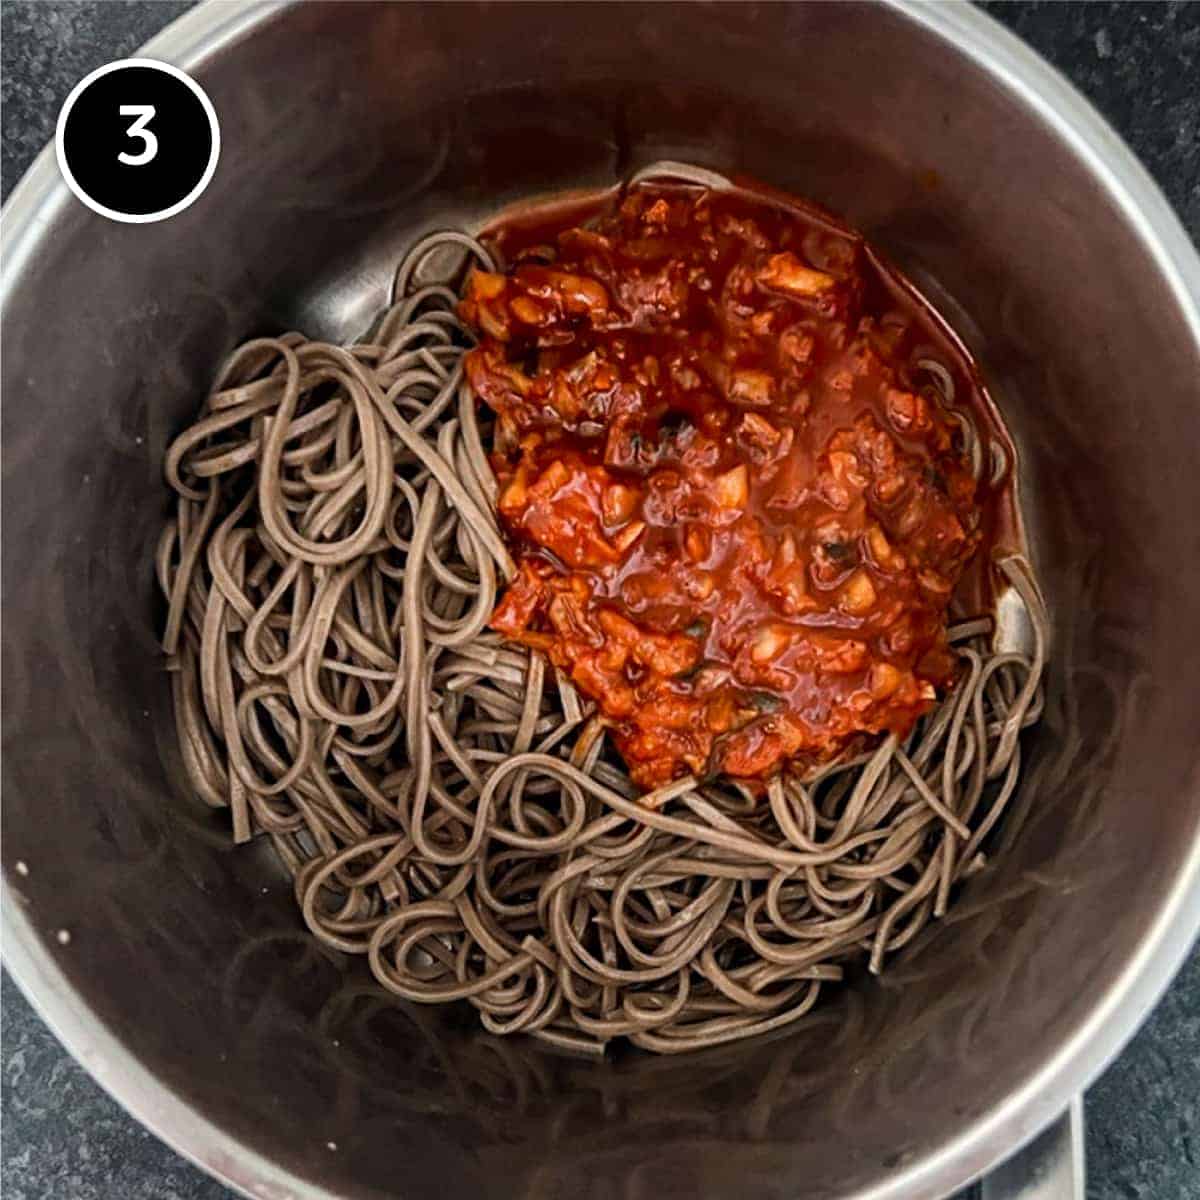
{"x": 445, "y": 802}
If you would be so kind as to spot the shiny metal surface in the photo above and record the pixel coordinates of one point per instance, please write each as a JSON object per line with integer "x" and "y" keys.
{"x": 1051, "y": 1167}
{"x": 186, "y": 984}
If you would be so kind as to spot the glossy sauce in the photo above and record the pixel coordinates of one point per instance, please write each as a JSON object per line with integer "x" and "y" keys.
{"x": 739, "y": 505}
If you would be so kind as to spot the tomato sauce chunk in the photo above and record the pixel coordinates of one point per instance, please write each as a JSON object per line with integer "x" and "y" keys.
{"x": 739, "y": 505}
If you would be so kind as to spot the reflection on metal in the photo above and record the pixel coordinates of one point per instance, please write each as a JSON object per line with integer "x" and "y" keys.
{"x": 1014, "y": 633}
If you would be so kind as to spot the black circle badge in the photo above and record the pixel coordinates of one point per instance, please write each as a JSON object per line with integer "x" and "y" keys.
{"x": 137, "y": 140}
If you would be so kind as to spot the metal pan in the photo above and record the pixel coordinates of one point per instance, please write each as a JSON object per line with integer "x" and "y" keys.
{"x": 174, "y": 967}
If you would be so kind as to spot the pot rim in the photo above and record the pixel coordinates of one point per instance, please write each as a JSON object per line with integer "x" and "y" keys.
{"x": 37, "y": 201}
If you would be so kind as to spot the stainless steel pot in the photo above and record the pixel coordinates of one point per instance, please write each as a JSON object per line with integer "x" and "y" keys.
{"x": 174, "y": 967}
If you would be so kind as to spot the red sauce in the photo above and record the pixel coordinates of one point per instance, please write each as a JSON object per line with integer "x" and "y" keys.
{"x": 739, "y": 508}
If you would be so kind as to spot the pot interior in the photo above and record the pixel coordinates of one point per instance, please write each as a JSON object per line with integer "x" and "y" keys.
{"x": 348, "y": 130}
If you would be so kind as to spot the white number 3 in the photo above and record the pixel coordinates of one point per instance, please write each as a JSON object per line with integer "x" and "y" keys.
{"x": 144, "y": 114}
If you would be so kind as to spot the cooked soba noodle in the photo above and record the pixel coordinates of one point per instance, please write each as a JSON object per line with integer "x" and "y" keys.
{"x": 445, "y": 802}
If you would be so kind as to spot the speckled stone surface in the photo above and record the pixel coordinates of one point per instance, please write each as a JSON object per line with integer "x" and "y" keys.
{"x": 64, "y": 1139}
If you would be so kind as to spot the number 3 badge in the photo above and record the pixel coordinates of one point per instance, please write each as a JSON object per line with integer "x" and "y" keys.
{"x": 137, "y": 140}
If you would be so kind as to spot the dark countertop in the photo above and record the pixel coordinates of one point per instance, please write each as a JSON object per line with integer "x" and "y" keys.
{"x": 1140, "y": 64}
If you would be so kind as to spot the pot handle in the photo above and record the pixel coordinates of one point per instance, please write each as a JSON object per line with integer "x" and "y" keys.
{"x": 1051, "y": 1167}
